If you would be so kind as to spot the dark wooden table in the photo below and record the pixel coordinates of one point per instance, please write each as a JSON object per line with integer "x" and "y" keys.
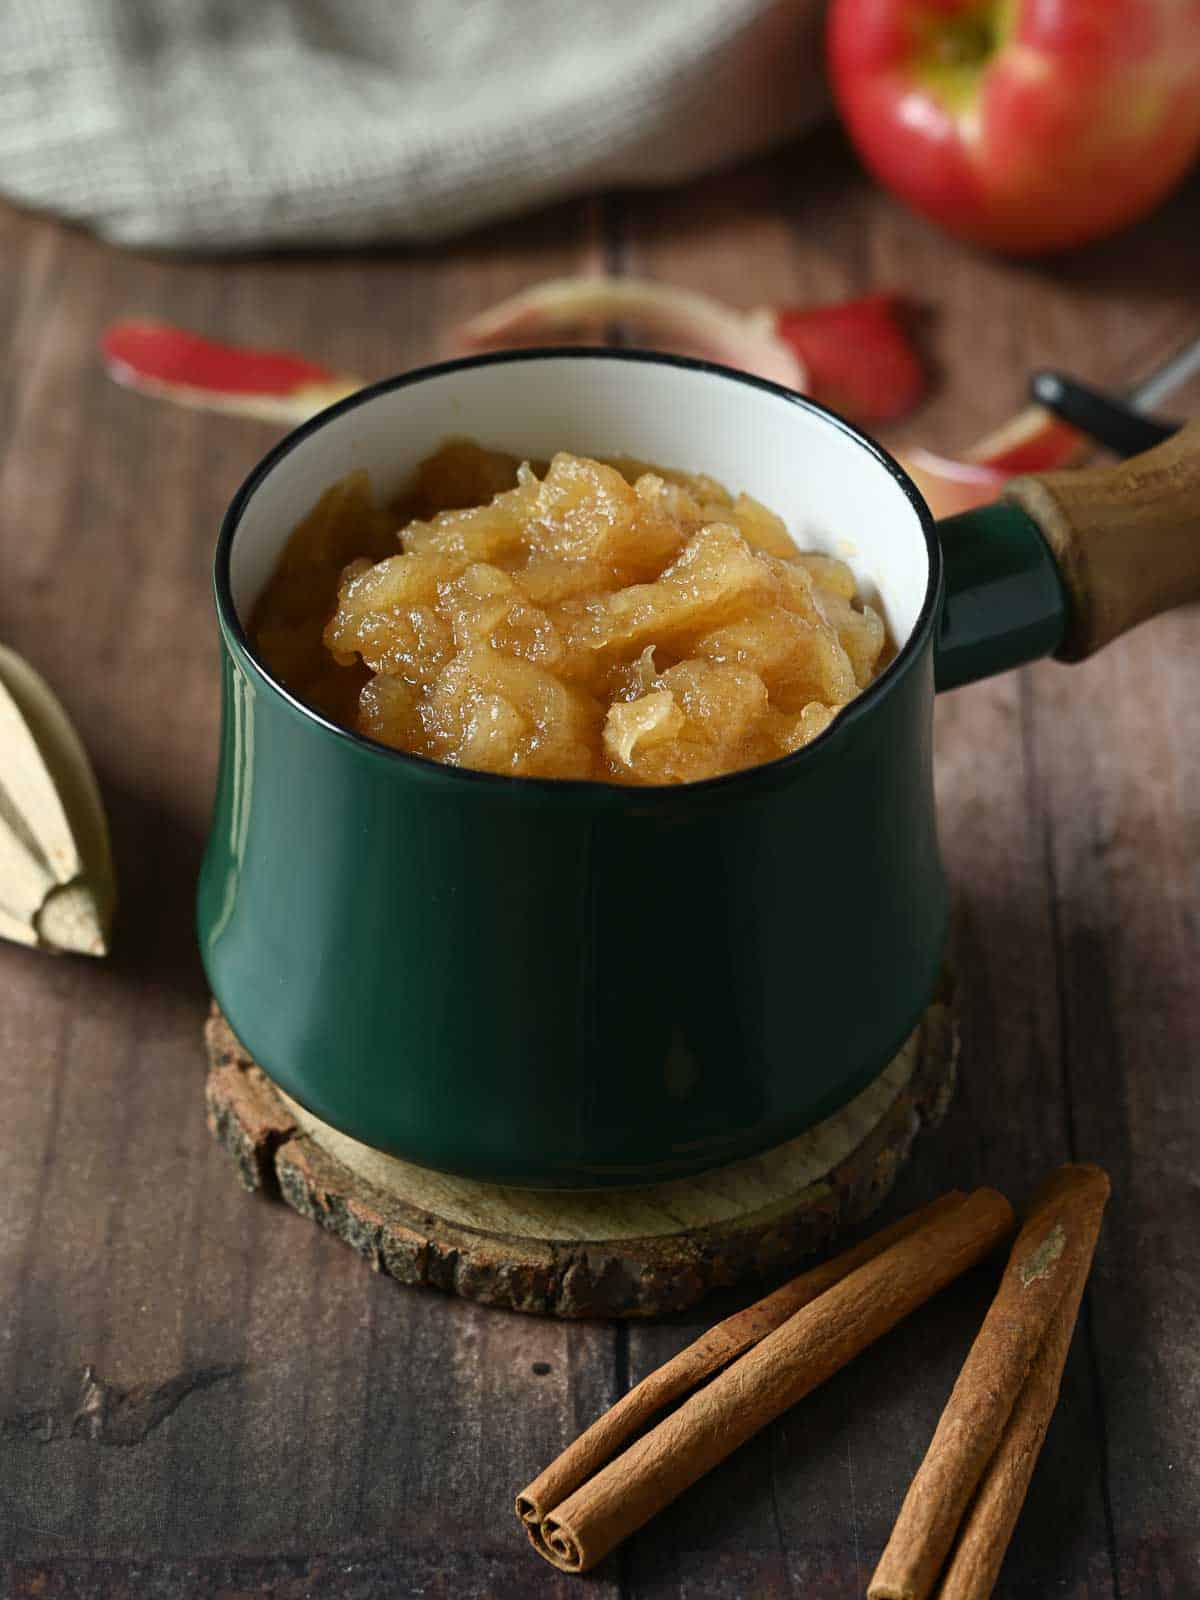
{"x": 343, "y": 1437}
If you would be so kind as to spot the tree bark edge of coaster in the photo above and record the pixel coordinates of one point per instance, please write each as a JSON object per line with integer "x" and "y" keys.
{"x": 604, "y": 1253}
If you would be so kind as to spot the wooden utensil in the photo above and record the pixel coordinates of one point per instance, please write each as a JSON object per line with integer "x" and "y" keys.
{"x": 57, "y": 888}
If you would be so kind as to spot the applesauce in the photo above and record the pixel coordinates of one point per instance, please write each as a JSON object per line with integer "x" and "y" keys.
{"x": 577, "y": 619}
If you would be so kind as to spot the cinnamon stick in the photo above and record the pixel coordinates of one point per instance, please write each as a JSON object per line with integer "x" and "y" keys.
{"x": 1053, "y": 1248}
{"x": 977, "y": 1557}
{"x": 813, "y": 1344}
{"x": 715, "y": 1349}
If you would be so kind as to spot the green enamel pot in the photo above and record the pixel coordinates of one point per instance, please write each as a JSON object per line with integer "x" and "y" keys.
{"x": 571, "y": 985}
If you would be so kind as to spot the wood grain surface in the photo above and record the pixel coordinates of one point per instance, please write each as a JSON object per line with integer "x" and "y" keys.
{"x": 262, "y": 1416}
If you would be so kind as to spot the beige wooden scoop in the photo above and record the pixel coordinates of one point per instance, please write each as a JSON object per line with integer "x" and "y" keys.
{"x": 57, "y": 889}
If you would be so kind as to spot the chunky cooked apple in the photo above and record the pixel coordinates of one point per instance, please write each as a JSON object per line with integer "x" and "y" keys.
{"x": 584, "y": 619}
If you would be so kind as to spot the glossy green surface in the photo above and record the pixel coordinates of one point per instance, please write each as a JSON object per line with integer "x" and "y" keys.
{"x": 1004, "y": 601}
{"x": 571, "y": 985}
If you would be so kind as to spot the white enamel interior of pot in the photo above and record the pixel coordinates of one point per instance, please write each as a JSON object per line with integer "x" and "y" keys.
{"x": 829, "y": 489}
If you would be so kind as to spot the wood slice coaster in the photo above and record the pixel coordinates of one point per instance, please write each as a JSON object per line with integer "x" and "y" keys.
{"x": 609, "y": 1253}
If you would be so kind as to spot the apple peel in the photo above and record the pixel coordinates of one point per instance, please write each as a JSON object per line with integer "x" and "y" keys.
{"x": 171, "y": 363}
{"x": 838, "y": 352}
{"x": 1035, "y": 440}
{"x": 859, "y": 356}
{"x": 854, "y": 355}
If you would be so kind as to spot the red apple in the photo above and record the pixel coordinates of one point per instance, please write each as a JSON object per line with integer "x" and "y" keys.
{"x": 1026, "y": 125}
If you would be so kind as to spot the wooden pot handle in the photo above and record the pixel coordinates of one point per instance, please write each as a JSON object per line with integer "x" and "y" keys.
{"x": 1126, "y": 538}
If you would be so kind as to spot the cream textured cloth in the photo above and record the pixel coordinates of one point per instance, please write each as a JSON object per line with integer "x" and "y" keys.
{"x": 218, "y": 124}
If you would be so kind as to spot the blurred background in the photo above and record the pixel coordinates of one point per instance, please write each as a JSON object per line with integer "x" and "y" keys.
{"x": 207, "y": 131}
{"x": 207, "y": 125}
